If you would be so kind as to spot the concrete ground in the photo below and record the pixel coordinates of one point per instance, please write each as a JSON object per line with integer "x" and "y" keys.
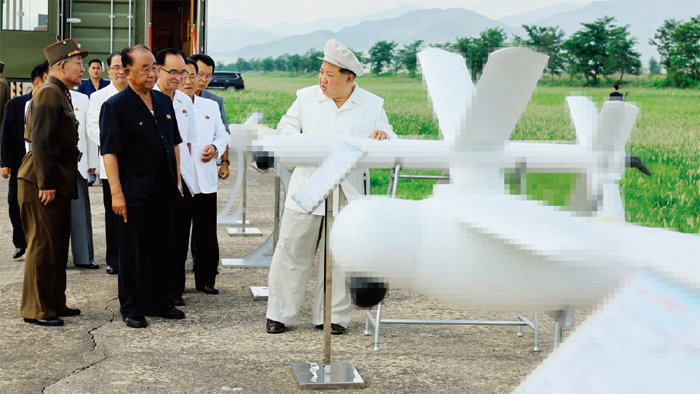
{"x": 222, "y": 345}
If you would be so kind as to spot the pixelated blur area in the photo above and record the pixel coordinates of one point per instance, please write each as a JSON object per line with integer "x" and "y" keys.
{"x": 643, "y": 339}
{"x": 366, "y": 292}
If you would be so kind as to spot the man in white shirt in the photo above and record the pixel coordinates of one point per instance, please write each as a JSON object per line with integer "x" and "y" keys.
{"x": 205, "y": 71}
{"x": 336, "y": 106}
{"x": 171, "y": 72}
{"x": 116, "y": 74}
{"x": 208, "y": 142}
{"x": 81, "y": 217}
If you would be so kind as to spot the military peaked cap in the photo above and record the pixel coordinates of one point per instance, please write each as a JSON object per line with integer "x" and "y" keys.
{"x": 63, "y": 50}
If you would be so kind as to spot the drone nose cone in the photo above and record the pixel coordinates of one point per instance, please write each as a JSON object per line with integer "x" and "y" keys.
{"x": 377, "y": 235}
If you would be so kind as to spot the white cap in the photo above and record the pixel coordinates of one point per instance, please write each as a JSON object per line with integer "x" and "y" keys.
{"x": 335, "y": 53}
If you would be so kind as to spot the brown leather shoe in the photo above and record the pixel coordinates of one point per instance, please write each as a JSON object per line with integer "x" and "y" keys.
{"x": 274, "y": 327}
{"x": 336, "y": 329}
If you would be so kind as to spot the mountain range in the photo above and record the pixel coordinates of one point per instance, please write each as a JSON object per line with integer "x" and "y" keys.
{"x": 231, "y": 39}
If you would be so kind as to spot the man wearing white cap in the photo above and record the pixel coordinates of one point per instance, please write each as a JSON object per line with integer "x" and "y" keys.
{"x": 336, "y": 106}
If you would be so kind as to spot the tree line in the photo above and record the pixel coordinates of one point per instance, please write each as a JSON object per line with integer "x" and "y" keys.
{"x": 598, "y": 50}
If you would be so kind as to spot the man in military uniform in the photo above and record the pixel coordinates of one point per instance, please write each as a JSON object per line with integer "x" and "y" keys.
{"x": 47, "y": 184}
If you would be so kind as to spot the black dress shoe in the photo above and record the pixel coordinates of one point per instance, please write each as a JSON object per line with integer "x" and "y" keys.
{"x": 208, "y": 289}
{"x": 112, "y": 269}
{"x": 90, "y": 265}
{"x": 274, "y": 327}
{"x": 69, "y": 312}
{"x": 19, "y": 252}
{"x": 135, "y": 321}
{"x": 51, "y": 321}
{"x": 173, "y": 313}
{"x": 179, "y": 301}
{"x": 336, "y": 329}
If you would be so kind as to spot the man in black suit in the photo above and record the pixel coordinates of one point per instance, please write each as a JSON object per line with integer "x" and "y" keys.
{"x": 138, "y": 141}
{"x": 12, "y": 151}
{"x": 615, "y": 95}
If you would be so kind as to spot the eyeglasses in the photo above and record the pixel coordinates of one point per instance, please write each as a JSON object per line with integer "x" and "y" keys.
{"x": 205, "y": 76}
{"x": 175, "y": 72}
{"x": 116, "y": 68}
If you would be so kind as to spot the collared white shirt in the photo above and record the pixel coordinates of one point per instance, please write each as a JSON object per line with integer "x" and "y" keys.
{"x": 184, "y": 111}
{"x": 93, "y": 118}
{"x": 89, "y": 159}
{"x": 314, "y": 113}
{"x": 209, "y": 130}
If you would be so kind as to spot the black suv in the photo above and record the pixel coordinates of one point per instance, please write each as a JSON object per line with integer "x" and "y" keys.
{"x": 227, "y": 79}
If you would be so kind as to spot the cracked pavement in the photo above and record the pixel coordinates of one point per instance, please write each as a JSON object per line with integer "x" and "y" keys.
{"x": 222, "y": 346}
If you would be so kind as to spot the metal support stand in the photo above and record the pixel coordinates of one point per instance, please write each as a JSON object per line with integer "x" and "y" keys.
{"x": 563, "y": 318}
{"x": 244, "y": 231}
{"x": 537, "y": 333}
{"x": 396, "y": 174}
{"x": 521, "y": 177}
{"x": 327, "y": 374}
{"x": 223, "y": 217}
{"x": 261, "y": 257}
{"x": 377, "y": 321}
{"x": 260, "y": 293}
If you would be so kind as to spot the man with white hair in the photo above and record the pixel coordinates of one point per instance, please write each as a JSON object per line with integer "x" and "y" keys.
{"x": 336, "y": 106}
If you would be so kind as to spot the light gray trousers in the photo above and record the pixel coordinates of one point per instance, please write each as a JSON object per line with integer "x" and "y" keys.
{"x": 290, "y": 272}
{"x": 81, "y": 225}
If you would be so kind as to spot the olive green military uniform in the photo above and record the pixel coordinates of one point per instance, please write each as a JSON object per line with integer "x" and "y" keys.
{"x": 51, "y": 164}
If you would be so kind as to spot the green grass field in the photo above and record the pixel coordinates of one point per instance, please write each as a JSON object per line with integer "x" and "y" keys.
{"x": 666, "y": 137}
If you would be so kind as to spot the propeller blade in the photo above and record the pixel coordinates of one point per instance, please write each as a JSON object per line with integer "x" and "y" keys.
{"x": 506, "y": 85}
{"x": 615, "y": 125}
{"x": 584, "y": 115}
{"x": 450, "y": 88}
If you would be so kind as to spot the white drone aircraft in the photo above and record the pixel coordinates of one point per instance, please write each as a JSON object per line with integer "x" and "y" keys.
{"x": 471, "y": 244}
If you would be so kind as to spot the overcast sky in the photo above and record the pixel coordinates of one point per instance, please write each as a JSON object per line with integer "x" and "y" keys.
{"x": 271, "y": 12}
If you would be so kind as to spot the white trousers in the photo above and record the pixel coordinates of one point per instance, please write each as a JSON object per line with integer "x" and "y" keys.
{"x": 290, "y": 271}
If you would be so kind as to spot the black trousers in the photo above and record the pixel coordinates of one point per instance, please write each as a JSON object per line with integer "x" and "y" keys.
{"x": 17, "y": 230}
{"x": 145, "y": 258}
{"x": 183, "y": 224}
{"x": 205, "y": 245}
{"x": 112, "y": 227}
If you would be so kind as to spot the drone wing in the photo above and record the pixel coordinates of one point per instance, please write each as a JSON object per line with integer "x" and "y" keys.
{"x": 615, "y": 125}
{"x": 449, "y": 86}
{"x": 506, "y": 85}
{"x": 584, "y": 115}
